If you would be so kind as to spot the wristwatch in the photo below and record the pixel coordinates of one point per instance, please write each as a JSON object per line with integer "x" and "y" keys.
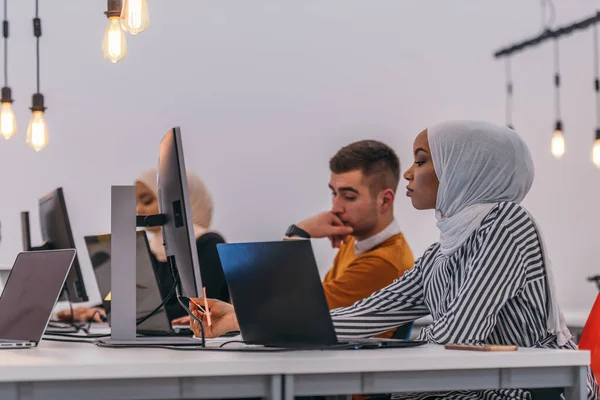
{"x": 293, "y": 230}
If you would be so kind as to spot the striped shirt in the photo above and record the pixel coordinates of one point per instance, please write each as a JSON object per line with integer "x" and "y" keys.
{"x": 492, "y": 290}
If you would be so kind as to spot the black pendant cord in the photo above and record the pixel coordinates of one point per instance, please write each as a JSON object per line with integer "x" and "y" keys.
{"x": 37, "y": 32}
{"x": 38, "y": 98}
{"x": 597, "y": 80}
{"x": 5, "y": 33}
{"x": 556, "y": 81}
{"x": 509, "y": 94}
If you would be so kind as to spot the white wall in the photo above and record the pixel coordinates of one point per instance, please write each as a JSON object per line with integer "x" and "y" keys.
{"x": 267, "y": 91}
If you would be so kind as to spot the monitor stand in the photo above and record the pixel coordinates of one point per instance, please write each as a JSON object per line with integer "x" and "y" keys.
{"x": 123, "y": 277}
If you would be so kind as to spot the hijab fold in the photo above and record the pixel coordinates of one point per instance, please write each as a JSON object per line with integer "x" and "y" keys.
{"x": 479, "y": 164}
{"x": 201, "y": 205}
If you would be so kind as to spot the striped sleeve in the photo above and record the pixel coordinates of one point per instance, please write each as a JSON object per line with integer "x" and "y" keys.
{"x": 496, "y": 274}
{"x": 388, "y": 308}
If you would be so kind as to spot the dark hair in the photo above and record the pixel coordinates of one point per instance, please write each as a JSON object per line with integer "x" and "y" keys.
{"x": 376, "y": 160}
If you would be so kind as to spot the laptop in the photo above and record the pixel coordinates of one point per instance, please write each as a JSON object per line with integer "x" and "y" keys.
{"x": 279, "y": 299}
{"x": 148, "y": 293}
{"x": 31, "y": 291}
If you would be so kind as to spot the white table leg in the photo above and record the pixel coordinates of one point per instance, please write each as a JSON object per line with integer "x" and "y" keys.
{"x": 276, "y": 387}
{"x": 288, "y": 387}
{"x": 579, "y": 389}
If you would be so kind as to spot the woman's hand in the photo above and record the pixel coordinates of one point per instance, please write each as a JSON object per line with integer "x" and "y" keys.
{"x": 222, "y": 315}
{"x": 83, "y": 314}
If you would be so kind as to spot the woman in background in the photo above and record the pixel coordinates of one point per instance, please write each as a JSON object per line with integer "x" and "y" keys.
{"x": 201, "y": 206}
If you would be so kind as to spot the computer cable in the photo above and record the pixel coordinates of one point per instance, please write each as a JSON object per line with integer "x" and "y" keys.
{"x": 159, "y": 307}
{"x": 177, "y": 281}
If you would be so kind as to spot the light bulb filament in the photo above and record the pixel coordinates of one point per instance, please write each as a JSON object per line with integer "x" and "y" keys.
{"x": 134, "y": 16}
{"x": 558, "y": 144}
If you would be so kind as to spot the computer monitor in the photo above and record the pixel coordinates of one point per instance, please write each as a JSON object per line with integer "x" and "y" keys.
{"x": 57, "y": 235}
{"x": 174, "y": 203}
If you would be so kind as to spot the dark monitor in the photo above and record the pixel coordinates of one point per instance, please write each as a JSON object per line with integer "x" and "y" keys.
{"x": 174, "y": 203}
{"x": 57, "y": 235}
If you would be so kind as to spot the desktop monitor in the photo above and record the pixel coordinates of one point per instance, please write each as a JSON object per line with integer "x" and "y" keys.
{"x": 174, "y": 203}
{"x": 57, "y": 235}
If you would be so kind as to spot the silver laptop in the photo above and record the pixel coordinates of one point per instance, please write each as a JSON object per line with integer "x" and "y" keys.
{"x": 31, "y": 291}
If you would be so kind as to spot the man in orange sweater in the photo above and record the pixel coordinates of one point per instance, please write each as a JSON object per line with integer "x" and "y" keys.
{"x": 372, "y": 249}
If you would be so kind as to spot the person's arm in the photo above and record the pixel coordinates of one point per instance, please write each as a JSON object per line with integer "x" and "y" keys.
{"x": 496, "y": 275}
{"x": 359, "y": 280}
{"x": 82, "y": 314}
{"x": 395, "y": 305}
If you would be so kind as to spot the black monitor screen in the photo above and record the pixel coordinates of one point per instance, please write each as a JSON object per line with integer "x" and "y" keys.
{"x": 173, "y": 201}
{"x": 56, "y": 231}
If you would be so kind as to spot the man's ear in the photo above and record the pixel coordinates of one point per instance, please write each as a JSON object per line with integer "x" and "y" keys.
{"x": 386, "y": 201}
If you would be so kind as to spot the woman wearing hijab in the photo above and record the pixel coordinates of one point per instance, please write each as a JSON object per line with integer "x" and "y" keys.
{"x": 201, "y": 206}
{"x": 488, "y": 280}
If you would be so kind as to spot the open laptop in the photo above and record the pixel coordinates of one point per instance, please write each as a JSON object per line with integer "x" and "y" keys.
{"x": 31, "y": 291}
{"x": 279, "y": 299}
{"x": 148, "y": 293}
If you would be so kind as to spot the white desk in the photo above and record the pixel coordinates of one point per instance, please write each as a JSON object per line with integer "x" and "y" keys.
{"x": 56, "y": 371}
{"x": 432, "y": 368}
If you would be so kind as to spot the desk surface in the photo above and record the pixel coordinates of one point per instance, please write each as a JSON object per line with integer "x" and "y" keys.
{"x": 72, "y": 361}
{"x": 60, "y": 361}
{"x": 427, "y": 358}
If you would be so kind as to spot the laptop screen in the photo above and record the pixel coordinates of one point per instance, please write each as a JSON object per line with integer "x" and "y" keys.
{"x": 148, "y": 293}
{"x": 32, "y": 289}
{"x": 277, "y": 293}
{"x": 98, "y": 247}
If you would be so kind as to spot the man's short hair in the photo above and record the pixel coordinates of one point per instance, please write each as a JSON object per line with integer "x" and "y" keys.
{"x": 376, "y": 160}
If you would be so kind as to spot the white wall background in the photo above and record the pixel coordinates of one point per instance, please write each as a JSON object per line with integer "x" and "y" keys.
{"x": 267, "y": 90}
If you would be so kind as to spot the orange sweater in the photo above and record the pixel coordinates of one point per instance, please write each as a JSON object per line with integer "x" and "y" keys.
{"x": 354, "y": 278}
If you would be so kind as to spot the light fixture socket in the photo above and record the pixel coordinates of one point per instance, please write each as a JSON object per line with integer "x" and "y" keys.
{"x": 597, "y": 133}
{"x": 509, "y": 126}
{"x": 559, "y": 125}
{"x": 38, "y": 102}
{"x": 113, "y": 8}
{"x": 6, "y": 95}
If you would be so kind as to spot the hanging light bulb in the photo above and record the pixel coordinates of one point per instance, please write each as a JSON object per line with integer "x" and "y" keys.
{"x": 114, "y": 45}
{"x": 37, "y": 132}
{"x": 596, "y": 150}
{"x": 558, "y": 141}
{"x": 8, "y": 122}
{"x": 134, "y": 16}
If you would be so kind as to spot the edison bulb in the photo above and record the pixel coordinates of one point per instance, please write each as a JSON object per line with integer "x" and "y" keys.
{"x": 114, "y": 46}
{"x": 8, "y": 122}
{"x": 37, "y": 132}
{"x": 558, "y": 144}
{"x": 134, "y": 16}
{"x": 596, "y": 153}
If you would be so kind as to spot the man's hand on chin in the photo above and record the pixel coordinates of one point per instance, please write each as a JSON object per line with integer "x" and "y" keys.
{"x": 326, "y": 224}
